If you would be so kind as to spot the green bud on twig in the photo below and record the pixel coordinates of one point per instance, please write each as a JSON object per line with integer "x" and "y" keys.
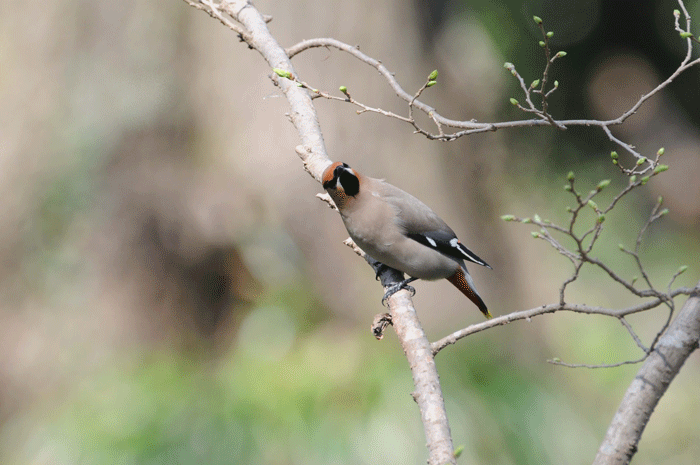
{"x": 661, "y": 151}
{"x": 570, "y": 176}
{"x": 561, "y": 54}
{"x": 677, "y": 13}
{"x": 527, "y": 220}
{"x": 603, "y": 184}
{"x": 550, "y": 34}
{"x": 535, "y": 234}
{"x": 535, "y": 83}
{"x": 645, "y": 179}
{"x": 508, "y": 218}
{"x": 567, "y": 188}
{"x": 458, "y": 451}
{"x": 622, "y": 247}
{"x": 556, "y": 83}
{"x": 601, "y": 218}
{"x": 593, "y": 205}
{"x": 686, "y": 35}
{"x": 431, "y": 83}
{"x": 641, "y": 161}
{"x": 613, "y": 155}
{"x": 537, "y": 19}
{"x": 282, "y": 73}
{"x": 664, "y": 212}
{"x": 682, "y": 269}
{"x": 633, "y": 179}
{"x": 542, "y": 44}
{"x": 513, "y": 101}
{"x": 508, "y": 65}
{"x": 343, "y": 89}
{"x": 537, "y": 218}
{"x": 433, "y": 76}
{"x": 660, "y": 168}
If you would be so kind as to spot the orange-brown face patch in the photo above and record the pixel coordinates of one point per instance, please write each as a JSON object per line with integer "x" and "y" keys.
{"x": 328, "y": 174}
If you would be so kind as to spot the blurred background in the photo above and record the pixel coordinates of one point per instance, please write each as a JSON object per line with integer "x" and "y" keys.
{"x": 172, "y": 292}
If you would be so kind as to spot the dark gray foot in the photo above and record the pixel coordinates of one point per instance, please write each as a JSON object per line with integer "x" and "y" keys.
{"x": 396, "y": 287}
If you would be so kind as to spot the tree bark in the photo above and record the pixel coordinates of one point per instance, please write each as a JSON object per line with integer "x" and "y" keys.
{"x": 312, "y": 151}
{"x": 650, "y": 384}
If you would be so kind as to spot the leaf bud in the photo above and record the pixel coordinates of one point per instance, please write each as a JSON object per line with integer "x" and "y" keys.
{"x": 282, "y": 73}
{"x": 603, "y": 184}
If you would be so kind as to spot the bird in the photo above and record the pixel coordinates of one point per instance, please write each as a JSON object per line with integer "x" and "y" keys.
{"x": 400, "y": 231}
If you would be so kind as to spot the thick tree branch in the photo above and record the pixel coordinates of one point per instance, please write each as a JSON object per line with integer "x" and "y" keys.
{"x": 415, "y": 344}
{"x": 650, "y": 384}
{"x": 252, "y": 29}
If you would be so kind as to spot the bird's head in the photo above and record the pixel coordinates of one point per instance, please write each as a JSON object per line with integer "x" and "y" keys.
{"x": 341, "y": 182}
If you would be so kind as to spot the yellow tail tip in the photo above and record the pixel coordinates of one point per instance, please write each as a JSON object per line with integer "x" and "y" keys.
{"x": 488, "y": 315}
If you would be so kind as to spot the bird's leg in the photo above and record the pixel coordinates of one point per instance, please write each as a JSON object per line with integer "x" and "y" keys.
{"x": 379, "y": 269}
{"x": 396, "y": 287}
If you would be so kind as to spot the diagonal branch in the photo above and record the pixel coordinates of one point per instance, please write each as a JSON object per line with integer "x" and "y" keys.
{"x": 428, "y": 394}
{"x": 650, "y": 384}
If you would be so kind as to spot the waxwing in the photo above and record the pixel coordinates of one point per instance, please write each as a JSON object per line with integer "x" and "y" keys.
{"x": 400, "y": 231}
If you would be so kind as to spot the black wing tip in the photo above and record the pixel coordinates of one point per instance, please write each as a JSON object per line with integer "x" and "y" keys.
{"x": 481, "y": 262}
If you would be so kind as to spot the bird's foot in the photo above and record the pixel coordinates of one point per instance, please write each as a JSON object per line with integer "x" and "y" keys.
{"x": 396, "y": 287}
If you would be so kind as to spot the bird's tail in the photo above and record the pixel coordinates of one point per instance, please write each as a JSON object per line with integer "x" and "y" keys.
{"x": 464, "y": 282}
